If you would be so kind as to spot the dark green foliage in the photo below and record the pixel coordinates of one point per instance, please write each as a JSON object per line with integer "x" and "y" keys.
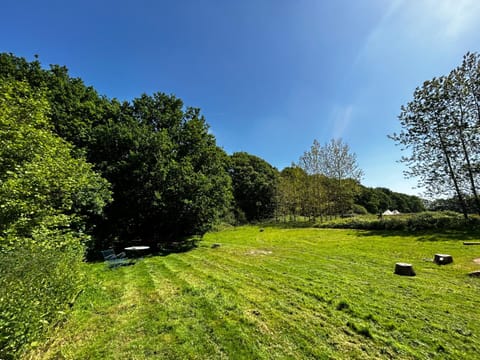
{"x": 74, "y": 107}
{"x": 168, "y": 175}
{"x": 359, "y": 209}
{"x": 377, "y": 200}
{"x": 254, "y": 183}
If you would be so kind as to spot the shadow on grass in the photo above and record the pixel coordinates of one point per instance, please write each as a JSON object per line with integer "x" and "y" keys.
{"x": 176, "y": 247}
{"x": 427, "y": 235}
{"x": 288, "y": 224}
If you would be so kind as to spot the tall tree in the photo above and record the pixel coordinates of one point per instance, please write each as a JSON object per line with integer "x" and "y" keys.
{"x": 40, "y": 181}
{"x": 168, "y": 175}
{"x": 334, "y": 173}
{"x": 46, "y": 195}
{"x": 291, "y": 192}
{"x": 254, "y": 184}
{"x": 440, "y": 131}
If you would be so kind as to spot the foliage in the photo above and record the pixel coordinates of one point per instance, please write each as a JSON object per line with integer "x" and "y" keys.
{"x": 334, "y": 176}
{"x": 41, "y": 183}
{"x": 74, "y": 107}
{"x": 168, "y": 176}
{"x": 359, "y": 209}
{"x": 254, "y": 183}
{"x": 281, "y": 293}
{"x": 291, "y": 192}
{"x": 437, "y": 221}
{"x": 45, "y": 196}
{"x": 440, "y": 131}
{"x": 37, "y": 285}
{"x": 323, "y": 183}
{"x": 377, "y": 200}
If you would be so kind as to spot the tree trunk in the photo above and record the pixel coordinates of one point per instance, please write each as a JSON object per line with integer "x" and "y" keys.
{"x": 467, "y": 160}
{"x": 452, "y": 173}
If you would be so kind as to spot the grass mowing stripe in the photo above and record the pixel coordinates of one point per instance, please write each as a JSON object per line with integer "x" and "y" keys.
{"x": 290, "y": 319}
{"x": 280, "y": 293}
{"x": 174, "y": 311}
{"x": 204, "y": 304}
{"x": 260, "y": 308}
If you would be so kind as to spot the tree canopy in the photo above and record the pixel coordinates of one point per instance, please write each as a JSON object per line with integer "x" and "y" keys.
{"x": 168, "y": 175}
{"x": 254, "y": 184}
{"x": 41, "y": 183}
{"x": 440, "y": 133}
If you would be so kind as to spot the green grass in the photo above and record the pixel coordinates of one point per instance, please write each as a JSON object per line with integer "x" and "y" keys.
{"x": 280, "y": 294}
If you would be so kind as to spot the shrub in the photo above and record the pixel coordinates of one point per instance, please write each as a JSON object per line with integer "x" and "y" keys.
{"x": 359, "y": 209}
{"x": 37, "y": 284}
{"x": 46, "y": 195}
{"x": 413, "y": 222}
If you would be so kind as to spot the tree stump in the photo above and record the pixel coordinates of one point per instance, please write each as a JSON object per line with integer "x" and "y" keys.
{"x": 404, "y": 269}
{"x": 474, "y": 274}
{"x": 442, "y": 259}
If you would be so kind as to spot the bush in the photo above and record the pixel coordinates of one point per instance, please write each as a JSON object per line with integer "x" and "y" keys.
{"x": 36, "y": 286}
{"x": 413, "y": 222}
{"x": 359, "y": 209}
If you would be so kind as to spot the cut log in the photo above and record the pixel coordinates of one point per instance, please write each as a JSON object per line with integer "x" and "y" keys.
{"x": 474, "y": 274}
{"x": 471, "y": 243}
{"x": 442, "y": 259}
{"x": 404, "y": 269}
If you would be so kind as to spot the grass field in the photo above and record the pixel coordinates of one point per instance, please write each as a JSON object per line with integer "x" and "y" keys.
{"x": 280, "y": 294}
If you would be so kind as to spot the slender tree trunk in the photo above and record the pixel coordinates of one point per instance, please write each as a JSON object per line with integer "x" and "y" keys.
{"x": 452, "y": 173}
{"x": 469, "y": 166}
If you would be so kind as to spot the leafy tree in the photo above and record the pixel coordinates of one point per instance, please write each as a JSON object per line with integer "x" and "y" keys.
{"x": 45, "y": 197}
{"x": 440, "y": 131}
{"x": 74, "y": 107}
{"x": 291, "y": 192}
{"x": 377, "y": 200}
{"x": 39, "y": 178}
{"x": 254, "y": 183}
{"x": 340, "y": 171}
{"x": 169, "y": 177}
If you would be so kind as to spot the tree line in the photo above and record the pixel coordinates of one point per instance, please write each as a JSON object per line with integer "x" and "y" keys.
{"x": 167, "y": 176}
{"x": 80, "y": 172}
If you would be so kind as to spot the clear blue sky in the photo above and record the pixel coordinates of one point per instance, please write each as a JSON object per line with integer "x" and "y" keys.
{"x": 269, "y": 75}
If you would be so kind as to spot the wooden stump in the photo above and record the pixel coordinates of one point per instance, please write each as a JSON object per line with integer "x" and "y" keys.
{"x": 442, "y": 259}
{"x": 404, "y": 269}
{"x": 474, "y": 274}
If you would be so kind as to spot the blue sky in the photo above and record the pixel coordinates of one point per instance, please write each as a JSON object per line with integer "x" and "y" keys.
{"x": 269, "y": 75}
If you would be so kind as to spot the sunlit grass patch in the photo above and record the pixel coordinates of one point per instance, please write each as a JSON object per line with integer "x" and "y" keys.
{"x": 280, "y": 293}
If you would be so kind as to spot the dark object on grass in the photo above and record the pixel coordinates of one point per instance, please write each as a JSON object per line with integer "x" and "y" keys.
{"x": 404, "y": 269}
{"x": 261, "y": 230}
{"x": 475, "y": 274}
{"x": 471, "y": 243}
{"x": 214, "y": 246}
{"x": 442, "y": 259}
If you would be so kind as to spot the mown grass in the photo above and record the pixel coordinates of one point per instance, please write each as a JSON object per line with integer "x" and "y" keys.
{"x": 280, "y": 294}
